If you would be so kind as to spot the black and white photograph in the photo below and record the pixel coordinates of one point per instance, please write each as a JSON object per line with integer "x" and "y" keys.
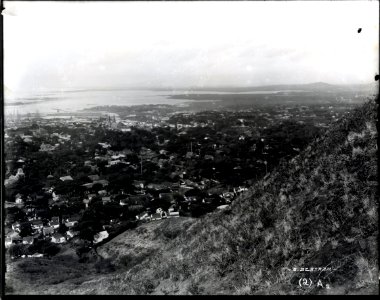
{"x": 190, "y": 148}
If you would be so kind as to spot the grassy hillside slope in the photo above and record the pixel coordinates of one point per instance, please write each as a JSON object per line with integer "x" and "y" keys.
{"x": 318, "y": 210}
{"x": 64, "y": 274}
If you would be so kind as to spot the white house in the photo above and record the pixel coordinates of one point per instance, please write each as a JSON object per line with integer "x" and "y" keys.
{"x": 48, "y": 230}
{"x": 100, "y": 236}
{"x": 54, "y": 222}
{"x": 16, "y": 226}
{"x": 37, "y": 224}
{"x": 123, "y": 202}
{"x": 8, "y": 242}
{"x": 223, "y": 206}
{"x": 66, "y": 178}
{"x": 55, "y": 196}
{"x": 142, "y": 216}
{"x": 28, "y": 240}
{"x": 173, "y": 214}
{"x": 71, "y": 233}
{"x": 58, "y": 238}
{"x": 86, "y": 202}
{"x": 36, "y": 255}
{"x": 71, "y": 224}
{"x": 18, "y": 199}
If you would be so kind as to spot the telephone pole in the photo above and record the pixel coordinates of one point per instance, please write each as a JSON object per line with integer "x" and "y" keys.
{"x": 141, "y": 165}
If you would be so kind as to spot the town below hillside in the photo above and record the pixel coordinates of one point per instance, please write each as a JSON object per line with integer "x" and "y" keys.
{"x": 74, "y": 182}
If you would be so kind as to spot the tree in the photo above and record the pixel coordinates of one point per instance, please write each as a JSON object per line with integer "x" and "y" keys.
{"x": 97, "y": 187}
{"x": 17, "y": 250}
{"x": 88, "y": 227}
{"x": 51, "y": 249}
{"x": 112, "y": 210}
{"x": 15, "y": 214}
{"x": 87, "y": 234}
{"x": 26, "y": 229}
{"x": 62, "y": 229}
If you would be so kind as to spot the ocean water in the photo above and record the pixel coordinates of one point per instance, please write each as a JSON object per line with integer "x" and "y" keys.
{"x": 71, "y": 101}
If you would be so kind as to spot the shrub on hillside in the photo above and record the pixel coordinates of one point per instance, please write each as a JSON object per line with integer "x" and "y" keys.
{"x": 104, "y": 266}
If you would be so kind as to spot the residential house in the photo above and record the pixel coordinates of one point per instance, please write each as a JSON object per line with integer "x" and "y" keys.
{"x": 157, "y": 187}
{"x": 54, "y": 222}
{"x": 228, "y": 196}
{"x": 138, "y": 184}
{"x": 48, "y": 230}
{"x": 94, "y": 177}
{"x": 55, "y": 196}
{"x": 240, "y": 189}
{"x": 16, "y": 226}
{"x": 8, "y": 242}
{"x": 103, "y": 182}
{"x": 71, "y": 233}
{"x": 105, "y": 145}
{"x": 221, "y": 207}
{"x": 70, "y": 224}
{"x": 37, "y": 224}
{"x": 155, "y": 216}
{"x": 123, "y": 202}
{"x": 72, "y": 219}
{"x": 88, "y": 163}
{"x": 14, "y": 236}
{"x": 118, "y": 156}
{"x": 88, "y": 185}
{"x": 143, "y": 216}
{"x": 91, "y": 196}
{"x": 163, "y": 152}
{"x": 106, "y": 199}
{"x": 36, "y": 255}
{"x": 114, "y": 162}
{"x": 66, "y": 178}
{"x": 173, "y": 214}
{"x": 18, "y": 199}
{"x": 160, "y": 214}
{"x": 46, "y": 147}
{"x": 86, "y": 202}
{"x": 58, "y": 238}
{"x": 28, "y": 240}
{"x": 100, "y": 236}
{"x": 102, "y": 192}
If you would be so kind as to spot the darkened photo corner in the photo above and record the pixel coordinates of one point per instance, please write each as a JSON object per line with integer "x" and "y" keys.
{"x": 190, "y": 148}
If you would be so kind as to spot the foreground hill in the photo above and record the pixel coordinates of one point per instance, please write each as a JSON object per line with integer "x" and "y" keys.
{"x": 318, "y": 210}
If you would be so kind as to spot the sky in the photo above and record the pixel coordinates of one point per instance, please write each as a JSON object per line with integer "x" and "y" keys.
{"x": 75, "y": 45}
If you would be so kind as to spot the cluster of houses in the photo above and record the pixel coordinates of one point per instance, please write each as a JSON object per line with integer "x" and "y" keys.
{"x": 164, "y": 191}
{"x": 49, "y": 231}
{"x": 158, "y": 215}
{"x": 14, "y": 178}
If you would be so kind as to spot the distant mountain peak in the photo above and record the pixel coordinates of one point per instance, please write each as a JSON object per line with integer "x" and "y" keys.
{"x": 320, "y": 84}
